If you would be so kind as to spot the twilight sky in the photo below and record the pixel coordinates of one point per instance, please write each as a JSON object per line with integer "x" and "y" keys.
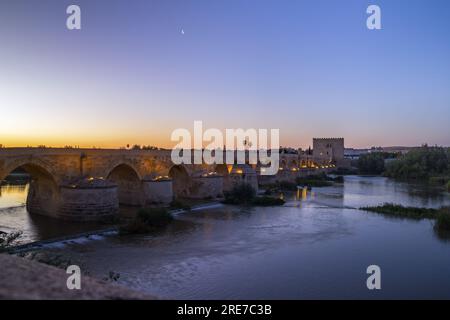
{"x": 310, "y": 68}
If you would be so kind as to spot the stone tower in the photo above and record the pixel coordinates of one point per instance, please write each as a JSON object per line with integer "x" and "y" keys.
{"x": 328, "y": 149}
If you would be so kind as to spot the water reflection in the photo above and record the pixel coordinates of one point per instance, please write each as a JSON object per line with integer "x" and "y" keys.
{"x": 13, "y": 195}
{"x": 316, "y": 246}
{"x": 15, "y": 218}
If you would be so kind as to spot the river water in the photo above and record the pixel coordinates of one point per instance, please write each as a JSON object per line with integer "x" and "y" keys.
{"x": 316, "y": 246}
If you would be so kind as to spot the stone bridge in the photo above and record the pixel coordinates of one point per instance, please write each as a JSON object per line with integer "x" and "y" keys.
{"x": 89, "y": 184}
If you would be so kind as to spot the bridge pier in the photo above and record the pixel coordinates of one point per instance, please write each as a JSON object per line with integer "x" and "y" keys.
{"x": 122, "y": 178}
{"x": 157, "y": 191}
{"x": 43, "y": 198}
{"x": 207, "y": 187}
{"x": 88, "y": 200}
{"x": 244, "y": 174}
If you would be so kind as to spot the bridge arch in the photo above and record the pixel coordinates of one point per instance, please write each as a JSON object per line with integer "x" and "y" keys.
{"x": 43, "y": 193}
{"x": 32, "y": 164}
{"x": 129, "y": 184}
{"x": 293, "y": 164}
{"x": 181, "y": 181}
{"x": 224, "y": 170}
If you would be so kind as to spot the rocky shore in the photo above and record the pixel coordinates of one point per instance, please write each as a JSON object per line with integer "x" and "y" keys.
{"x": 25, "y": 279}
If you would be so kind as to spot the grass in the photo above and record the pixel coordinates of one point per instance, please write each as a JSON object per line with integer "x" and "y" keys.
{"x": 439, "y": 180}
{"x": 311, "y": 182}
{"x": 244, "y": 194}
{"x": 265, "y": 201}
{"x": 286, "y": 186}
{"x": 443, "y": 220}
{"x": 7, "y": 240}
{"x": 345, "y": 171}
{"x": 396, "y": 210}
{"x": 147, "y": 220}
{"x": 338, "y": 179}
{"x": 441, "y": 215}
{"x": 316, "y": 181}
{"x": 321, "y": 180}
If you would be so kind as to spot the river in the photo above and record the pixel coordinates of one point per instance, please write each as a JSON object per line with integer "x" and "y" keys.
{"x": 318, "y": 245}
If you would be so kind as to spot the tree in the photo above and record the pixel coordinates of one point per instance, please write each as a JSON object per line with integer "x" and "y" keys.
{"x": 373, "y": 163}
{"x": 421, "y": 163}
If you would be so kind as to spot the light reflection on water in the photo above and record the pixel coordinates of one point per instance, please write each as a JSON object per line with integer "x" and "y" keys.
{"x": 13, "y": 195}
{"x": 316, "y": 246}
{"x": 14, "y": 218}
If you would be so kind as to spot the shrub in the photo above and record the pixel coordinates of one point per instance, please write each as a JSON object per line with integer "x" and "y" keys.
{"x": 266, "y": 201}
{"x": 420, "y": 163}
{"x": 146, "y": 220}
{"x": 313, "y": 182}
{"x": 112, "y": 277}
{"x": 372, "y": 163}
{"x": 345, "y": 171}
{"x": 242, "y": 193}
{"x": 396, "y": 210}
{"x": 7, "y": 239}
{"x": 287, "y": 186}
{"x": 439, "y": 181}
{"x": 443, "y": 220}
{"x": 338, "y": 179}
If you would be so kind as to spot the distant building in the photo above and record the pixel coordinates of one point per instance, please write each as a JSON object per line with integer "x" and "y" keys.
{"x": 354, "y": 154}
{"x": 398, "y": 149}
{"x": 330, "y": 150}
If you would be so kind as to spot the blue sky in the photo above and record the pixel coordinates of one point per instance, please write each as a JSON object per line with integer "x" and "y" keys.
{"x": 309, "y": 68}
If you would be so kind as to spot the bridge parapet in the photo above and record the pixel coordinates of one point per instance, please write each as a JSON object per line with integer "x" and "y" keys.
{"x": 141, "y": 177}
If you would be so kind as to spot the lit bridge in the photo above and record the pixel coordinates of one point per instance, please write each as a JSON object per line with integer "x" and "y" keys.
{"x": 89, "y": 184}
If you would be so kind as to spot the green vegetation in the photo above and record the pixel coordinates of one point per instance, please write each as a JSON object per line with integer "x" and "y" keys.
{"x": 240, "y": 194}
{"x": 344, "y": 171}
{"x": 313, "y": 182}
{"x": 373, "y": 163}
{"x": 146, "y": 220}
{"x": 244, "y": 194}
{"x": 320, "y": 180}
{"x": 52, "y": 259}
{"x": 439, "y": 181}
{"x": 448, "y": 186}
{"x": 265, "y": 201}
{"x": 443, "y": 220}
{"x": 423, "y": 163}
{"x": 112, "y": 277}
{"x": 441, "y": 215}
{"x": 7, "y": 240}
{"x": 396, "y": 210}
{"x": 285, "y": 186}
{"x": 338, "y": 179}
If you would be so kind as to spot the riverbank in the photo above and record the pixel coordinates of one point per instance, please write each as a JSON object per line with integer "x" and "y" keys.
{"x": 25, "y": 279}
{"x": 94, "y": 234}
{"x": 219, "y": 251}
